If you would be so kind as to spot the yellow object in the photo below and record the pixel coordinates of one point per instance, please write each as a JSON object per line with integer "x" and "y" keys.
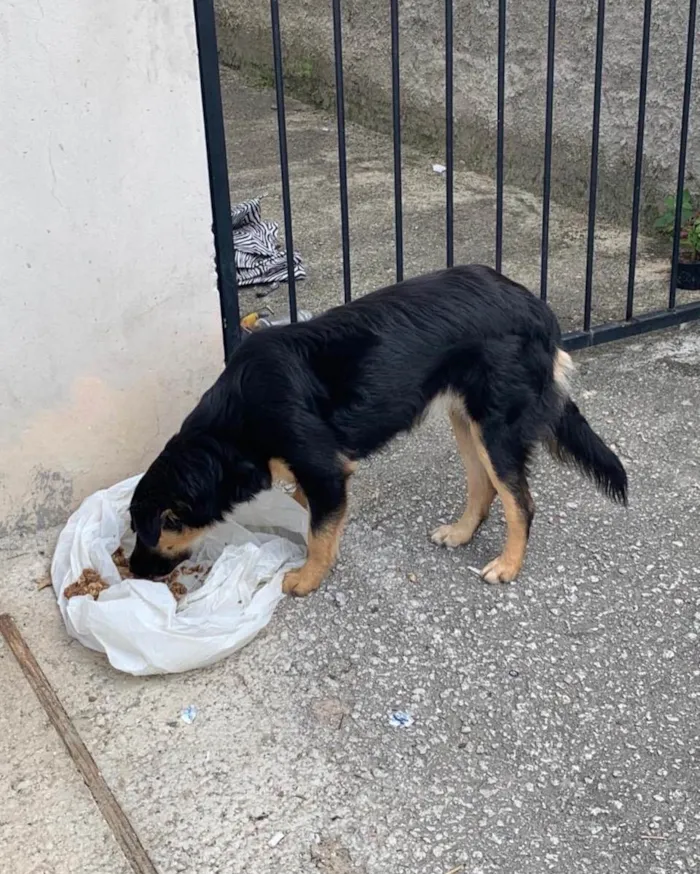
{"x": 248, "y": 322}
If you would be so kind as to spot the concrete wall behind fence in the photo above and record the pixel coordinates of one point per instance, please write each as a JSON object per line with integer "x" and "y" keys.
{"x": 109, "y": 324}
{"x": 308, "y": 55}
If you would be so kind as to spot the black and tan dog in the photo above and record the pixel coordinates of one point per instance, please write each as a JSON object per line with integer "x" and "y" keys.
{"x": 306, "y": 401}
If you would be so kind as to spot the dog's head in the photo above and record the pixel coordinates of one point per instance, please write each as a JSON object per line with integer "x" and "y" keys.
{"x": 190, "y": 486}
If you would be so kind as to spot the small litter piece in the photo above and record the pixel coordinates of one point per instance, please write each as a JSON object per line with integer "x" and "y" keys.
{"x": 189, "y": 714}
{"x": 88, "y": 583}
{"x": 400, "y": 719}
{"x": 439, "y": 169}
{"x": 43, "y": 582}
{"x": 255, "y": 321}
{"x": 268, "y": 289}
{"x": 276, "y": 839}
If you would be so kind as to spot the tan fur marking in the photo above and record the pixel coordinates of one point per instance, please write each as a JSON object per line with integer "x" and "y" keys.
{"x": 323, "y": 550}
{"x": 480, "y": 491}
{"x": 280, "y": 472}
{"x": 300, "y": 497}
{"x": 507, "y": 566}
{"x": 563, "y": 371}
{"x": 349, "y": 467}
{"x": 174, "y": 543}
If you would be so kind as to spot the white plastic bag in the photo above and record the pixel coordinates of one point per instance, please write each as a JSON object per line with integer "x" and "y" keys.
{"x": 138, "y": 624}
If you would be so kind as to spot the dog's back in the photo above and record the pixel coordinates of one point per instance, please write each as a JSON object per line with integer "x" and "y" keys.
{"x": 319, "y": 395}
{"x": 371, "y": 367}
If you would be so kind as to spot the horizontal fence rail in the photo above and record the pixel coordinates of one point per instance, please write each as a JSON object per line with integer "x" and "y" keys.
{"x": 589, "y": 334}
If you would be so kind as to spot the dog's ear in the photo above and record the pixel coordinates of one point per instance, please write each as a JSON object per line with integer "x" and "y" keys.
{"x": 170, "y": 521}
{"x": 148, "y": 529}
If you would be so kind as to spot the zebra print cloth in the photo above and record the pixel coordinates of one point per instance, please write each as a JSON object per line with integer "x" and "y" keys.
{"x": 260, "y": 259}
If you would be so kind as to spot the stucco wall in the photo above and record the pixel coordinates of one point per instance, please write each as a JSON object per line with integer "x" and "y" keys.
{"x": 308, "y": 53}
{"x": 109, "y": 323}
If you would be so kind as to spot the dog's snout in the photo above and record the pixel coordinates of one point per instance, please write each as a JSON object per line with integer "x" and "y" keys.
{"x": 146, "y": 563}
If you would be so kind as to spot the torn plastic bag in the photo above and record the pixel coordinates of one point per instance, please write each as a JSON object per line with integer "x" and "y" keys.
{"x": 138, "y": 624}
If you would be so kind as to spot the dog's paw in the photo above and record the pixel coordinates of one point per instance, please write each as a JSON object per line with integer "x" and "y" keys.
{"x": 452, "y": 535}
{"x": 300, "y": 583}
{"x": 500, "y": 570}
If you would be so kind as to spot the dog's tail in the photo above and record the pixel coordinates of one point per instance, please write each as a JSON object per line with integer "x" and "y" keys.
{"x": 574, "y": 442}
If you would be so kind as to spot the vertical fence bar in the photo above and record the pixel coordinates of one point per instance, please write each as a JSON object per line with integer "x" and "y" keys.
{"x": 639, "y": 159}
{"x": 217, "y": 165}
{"x": 500, "y": 131}
{"x": 396, "y": 111}
{"x": 449, "y": 136}
{"x": 548, "y": 127}
{"x": 685, "y": 121}
{"x": 342, "y": 155}
{"x": 284, "y": 159}
{"x": 593, "y": 185}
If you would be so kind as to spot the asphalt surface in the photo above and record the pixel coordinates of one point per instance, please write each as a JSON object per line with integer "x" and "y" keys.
{"x": 553, "y": 723}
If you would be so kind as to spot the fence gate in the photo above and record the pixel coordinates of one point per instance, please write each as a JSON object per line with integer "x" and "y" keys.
{"x": 589, "y": 334}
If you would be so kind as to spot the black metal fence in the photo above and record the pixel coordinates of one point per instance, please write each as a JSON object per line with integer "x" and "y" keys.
{"x": 590, "y": 334}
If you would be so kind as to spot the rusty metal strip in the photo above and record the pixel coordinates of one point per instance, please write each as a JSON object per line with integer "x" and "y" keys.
{"x": 115, "y": 817}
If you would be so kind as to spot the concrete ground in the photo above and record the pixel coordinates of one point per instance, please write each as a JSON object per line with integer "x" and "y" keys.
{"x": 555, "y": 719}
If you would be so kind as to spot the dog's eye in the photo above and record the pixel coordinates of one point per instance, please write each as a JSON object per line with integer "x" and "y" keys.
{"x": 171, "y": 522}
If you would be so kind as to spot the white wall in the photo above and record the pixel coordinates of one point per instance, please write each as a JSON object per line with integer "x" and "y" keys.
{"x": 109, "y": 325}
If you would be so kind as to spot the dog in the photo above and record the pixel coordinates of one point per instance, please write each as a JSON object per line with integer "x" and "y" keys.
{"x": 305, "y": 402}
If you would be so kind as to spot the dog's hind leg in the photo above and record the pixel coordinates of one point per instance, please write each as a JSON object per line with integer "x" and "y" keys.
{"x": 480, "y": 490}
{"x": 505, "y": 463}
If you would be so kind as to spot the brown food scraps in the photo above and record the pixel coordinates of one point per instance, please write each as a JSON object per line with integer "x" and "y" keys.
{"x": 122, "y": 564}
{"x": 177, "y": 590}
{"x": 172, "y": 581}
{"x": 91, "y": 583}
{"x": 88, "y": 583}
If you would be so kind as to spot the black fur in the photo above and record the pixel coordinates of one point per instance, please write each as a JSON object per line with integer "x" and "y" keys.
{"x": 576, "y": 442}
{"x": 345, "y": 383}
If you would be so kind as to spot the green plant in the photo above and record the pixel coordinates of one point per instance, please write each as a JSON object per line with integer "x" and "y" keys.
{"x": 690, "y": 224}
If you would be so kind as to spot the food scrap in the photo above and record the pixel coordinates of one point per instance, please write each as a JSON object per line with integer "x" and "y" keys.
{"x": 122, "y": 564}
{"x": 177, "y": 590}
{"x": 172, "y": 581}
{"x": 88, "y": 583}
{"x": 91, "y": 583}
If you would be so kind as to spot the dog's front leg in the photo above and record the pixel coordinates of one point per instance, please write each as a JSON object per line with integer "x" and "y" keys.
{"x": 327, "y": 499}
